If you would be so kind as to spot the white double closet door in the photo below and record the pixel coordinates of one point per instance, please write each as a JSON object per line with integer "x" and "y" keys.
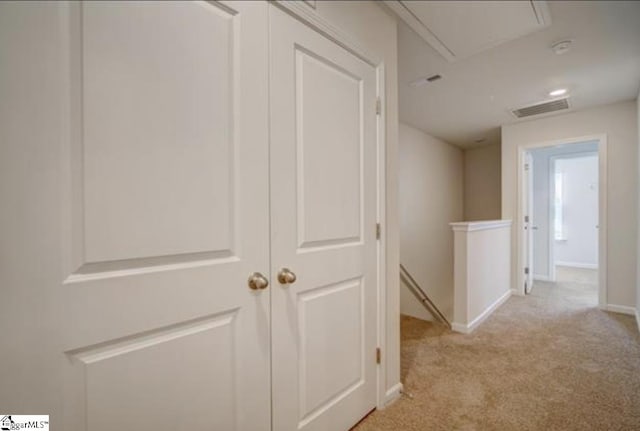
{"x": 202, "y": 143}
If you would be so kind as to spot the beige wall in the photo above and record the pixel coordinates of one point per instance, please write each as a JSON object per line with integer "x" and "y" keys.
{"x": 375, "y": 30}
{"x": 638, "y": 182}
{"x": 482, "y": 183}
{"x": 619, "y": 122}
{"x": 431, "y": 196}
{"x": 410, "y": 305}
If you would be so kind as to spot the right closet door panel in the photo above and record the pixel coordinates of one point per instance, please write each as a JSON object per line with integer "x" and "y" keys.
{"x": 323, "y": 218}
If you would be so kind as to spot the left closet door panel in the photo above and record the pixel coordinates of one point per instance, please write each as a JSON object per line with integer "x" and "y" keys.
{"x": 167, "y": 208}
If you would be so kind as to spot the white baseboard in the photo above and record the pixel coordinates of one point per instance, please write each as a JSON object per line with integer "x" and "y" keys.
{"x": 638, "y": 318}
{"x": 392, "y": 395}
{"x": 459, "y": 327}
{"x": 578, "y": 265}
{"x": 515, "y": 292}
{"x": 622, "y": 309}
{"x": 470, "y": 327}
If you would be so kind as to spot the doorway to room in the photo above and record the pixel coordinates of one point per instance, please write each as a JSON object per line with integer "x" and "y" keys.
{"x": 562, "y": 210}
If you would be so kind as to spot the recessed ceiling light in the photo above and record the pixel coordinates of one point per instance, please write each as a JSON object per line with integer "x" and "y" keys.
{"x": 558, "y": 92}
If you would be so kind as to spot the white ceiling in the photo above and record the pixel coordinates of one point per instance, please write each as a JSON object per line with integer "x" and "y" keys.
{"x": 475, "y": 95}
{"x": 459, "y": 29}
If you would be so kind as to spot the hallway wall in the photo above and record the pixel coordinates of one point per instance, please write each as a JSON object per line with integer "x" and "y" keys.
{"x": 619, "y": 122}
{"x": 638, "y": 216}
{"x": 431, "y": 196}
{"x": 482, "y": 183}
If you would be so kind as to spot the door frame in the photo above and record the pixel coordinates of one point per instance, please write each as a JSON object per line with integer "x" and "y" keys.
{"x": 528, "y": 225}
{"x": 602, "y": 210}
{"x": 308, "y": 15}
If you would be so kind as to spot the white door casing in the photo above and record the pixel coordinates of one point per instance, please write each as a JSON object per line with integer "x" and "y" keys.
{"x": 529, "y": 223}
{"x": 602, "y": 211}
{"x": 167, "y": 215}
{"x": 323, "y": 201}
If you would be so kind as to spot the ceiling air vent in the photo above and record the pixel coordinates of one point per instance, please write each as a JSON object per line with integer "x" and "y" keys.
{"x": 542, "y": 108}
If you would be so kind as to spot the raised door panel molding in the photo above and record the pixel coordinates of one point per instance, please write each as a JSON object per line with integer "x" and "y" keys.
{"x": 329, "y": 153}
{"x": 143, "y": 379}
{"x": 158, "y": 135}
{"x": 167, "y": 102}
{"x": 336, "y": 346}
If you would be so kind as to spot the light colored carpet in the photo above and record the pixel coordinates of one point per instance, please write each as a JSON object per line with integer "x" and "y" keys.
{"x": 573, "y": 285}
{"x": 548, "y": 361}
{"x": 569, "y": 274}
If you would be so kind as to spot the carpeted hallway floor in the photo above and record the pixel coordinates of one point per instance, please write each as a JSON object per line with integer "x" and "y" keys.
{"x": 547, "y": 361}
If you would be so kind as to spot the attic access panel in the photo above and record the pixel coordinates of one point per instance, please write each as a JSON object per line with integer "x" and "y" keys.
{"x": 460, "y": 29}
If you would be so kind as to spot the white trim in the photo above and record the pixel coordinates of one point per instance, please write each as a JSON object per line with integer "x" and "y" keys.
{"x": 310, "y": 3}
{"x": 622, "y": 309}
{"x": 382, "y": 243}
{"x": 602, "y": 204}
{"x": 578, "y": 265}
{"x": 516, "y": 292}
{"x": 637, "y": 313}
{"x": 311, "y": 18}
{"x": 602, "y": 219}
{"x": 470, "y": 327}
{"x": 420, "y": 28}
{"x": 392, "y": 395}
{"x": 540, "y": 8}
{"x": 529, "y": 207}
{"x": 470, "y": 226}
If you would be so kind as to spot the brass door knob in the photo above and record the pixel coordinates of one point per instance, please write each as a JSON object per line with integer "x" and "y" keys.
{"x": 286, "y": 276}
{"x": 257, "y": 281}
